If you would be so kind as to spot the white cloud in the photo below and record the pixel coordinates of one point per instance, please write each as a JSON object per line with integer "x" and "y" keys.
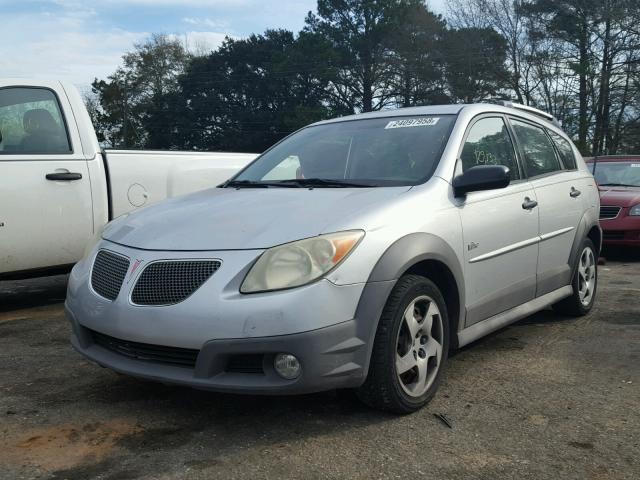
{"x": 78, "y": 40}
{"x": 206, "y": 22}
{"x": 62, "y": 46}
{"x": 182, "y": 3}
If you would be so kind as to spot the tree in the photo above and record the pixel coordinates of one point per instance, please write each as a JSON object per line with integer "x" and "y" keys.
{"x": 250, "y": 93}
{"x": 133, "y": 101}
{"x": 415, "y": 60}
{"x": 570, "y": 21}
{"x": 474, "y": 63}
{"x": 359, "y": 31}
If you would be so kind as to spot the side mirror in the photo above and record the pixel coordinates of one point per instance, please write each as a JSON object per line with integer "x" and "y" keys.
{"x": 481, "y": 177}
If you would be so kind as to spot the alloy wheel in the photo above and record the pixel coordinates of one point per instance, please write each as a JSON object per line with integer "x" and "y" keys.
{"x": 586, "y": 276}
{"x": 419, "y": 346}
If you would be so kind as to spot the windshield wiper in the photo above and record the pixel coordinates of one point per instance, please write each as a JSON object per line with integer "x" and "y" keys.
{"x": 253, "y": 184}
{"x": 617, "y": 185}
{"x": 325, "y": 182}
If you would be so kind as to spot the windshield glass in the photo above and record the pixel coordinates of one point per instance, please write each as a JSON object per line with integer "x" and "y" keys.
{"x": 372, "y": 152}
{"x": 618, "y": 173}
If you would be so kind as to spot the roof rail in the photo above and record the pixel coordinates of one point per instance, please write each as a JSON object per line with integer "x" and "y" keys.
{"x": 534, "y": 111}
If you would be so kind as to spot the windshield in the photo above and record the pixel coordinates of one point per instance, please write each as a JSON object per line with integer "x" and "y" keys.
{"x": 618, "y": 173}
{"x": 372, "y": 152}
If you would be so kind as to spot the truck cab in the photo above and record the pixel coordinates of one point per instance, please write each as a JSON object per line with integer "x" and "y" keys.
{"x": 59, "y": 188}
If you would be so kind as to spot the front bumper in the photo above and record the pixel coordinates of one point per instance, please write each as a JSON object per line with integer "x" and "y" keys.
{"x": 622, "y": 230}
{"x": 331, "y": 357}
{"x": 320, "y": 324}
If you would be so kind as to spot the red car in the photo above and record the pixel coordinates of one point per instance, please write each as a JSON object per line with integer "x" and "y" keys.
{"x": 618, "y": 179}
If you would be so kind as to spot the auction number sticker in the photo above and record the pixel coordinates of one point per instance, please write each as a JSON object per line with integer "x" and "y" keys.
{"x": 413, "y": 122}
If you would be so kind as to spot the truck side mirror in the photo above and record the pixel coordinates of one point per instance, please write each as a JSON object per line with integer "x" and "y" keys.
{"x": 481, "y": 177}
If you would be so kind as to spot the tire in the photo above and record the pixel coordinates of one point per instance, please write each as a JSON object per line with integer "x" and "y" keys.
{"x": 578, "y": 304}
{"x": 413, "y": 329}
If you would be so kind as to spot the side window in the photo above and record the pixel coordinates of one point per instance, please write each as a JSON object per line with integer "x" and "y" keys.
{"x": 539, "y": 155}
{"x": 489, "y": 143}
{"x": 31, "y": 122}
{"x": 565, "y": 151}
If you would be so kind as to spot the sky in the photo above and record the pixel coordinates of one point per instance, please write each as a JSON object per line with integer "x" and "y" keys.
{"x": 77, "y": 41}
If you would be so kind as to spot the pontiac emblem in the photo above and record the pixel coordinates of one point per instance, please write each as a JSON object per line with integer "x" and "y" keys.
{"x": 134, "y": 267}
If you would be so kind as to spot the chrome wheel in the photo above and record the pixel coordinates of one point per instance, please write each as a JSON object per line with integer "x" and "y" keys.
{"x": 586, "y": 276}
{"x": 419, "y": 346}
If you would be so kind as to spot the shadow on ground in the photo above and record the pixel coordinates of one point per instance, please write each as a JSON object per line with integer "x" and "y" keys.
{"x": 30, "y": 293}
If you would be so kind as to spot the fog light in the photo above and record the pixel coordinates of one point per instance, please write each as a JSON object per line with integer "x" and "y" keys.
{"x": 287, "y": 366}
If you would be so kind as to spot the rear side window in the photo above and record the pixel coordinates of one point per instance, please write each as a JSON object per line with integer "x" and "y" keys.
{"x": 489, "y": 143}
{"x": 539, "y": 155}
{"x": 565, "y": 151}
{"x": 31, "y": 122}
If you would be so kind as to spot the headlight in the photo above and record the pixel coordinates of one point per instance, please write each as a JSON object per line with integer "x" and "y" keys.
{"x": 298, "y": 263}
{"x": 635, "y": 210}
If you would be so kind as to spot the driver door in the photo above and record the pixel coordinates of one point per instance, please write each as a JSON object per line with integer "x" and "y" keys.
{"x": 45, "y": 199}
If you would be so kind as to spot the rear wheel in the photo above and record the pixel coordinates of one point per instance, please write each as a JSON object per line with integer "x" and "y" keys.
{"x": 584, "y": 285}
{"x": 410, "y": 348}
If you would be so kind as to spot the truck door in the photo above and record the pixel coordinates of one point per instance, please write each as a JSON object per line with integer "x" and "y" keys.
{"x": 45, "y": 194}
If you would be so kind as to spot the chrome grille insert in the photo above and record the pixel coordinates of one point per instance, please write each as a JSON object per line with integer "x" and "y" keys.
{"x": 169, "y": 282}
{"x": 107, "y": 275}
{"x": 607, "y": 212}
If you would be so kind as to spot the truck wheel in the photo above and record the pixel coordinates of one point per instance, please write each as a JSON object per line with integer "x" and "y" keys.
{"x": 584, "y": 284}
{"x": 410, "y": 348}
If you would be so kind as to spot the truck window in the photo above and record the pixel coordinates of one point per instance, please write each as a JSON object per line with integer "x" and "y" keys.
{"x": 489, "y": 143}
{"x": 31, "y": 122}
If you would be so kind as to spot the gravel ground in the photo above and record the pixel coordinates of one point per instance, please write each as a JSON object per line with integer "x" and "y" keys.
{"x": 549, "y": 397}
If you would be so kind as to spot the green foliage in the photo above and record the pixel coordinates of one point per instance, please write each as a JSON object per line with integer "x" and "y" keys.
{"x": 352, "y": 56}
{"x": 470, "y": 55}
{"x": 134, "y": 103}
{"x": 250, "y": 93}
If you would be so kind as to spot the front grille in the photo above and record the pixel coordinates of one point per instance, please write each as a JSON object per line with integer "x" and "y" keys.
{"x": 184, "y": 357}
{"x": 607, "y": 212}
{"x": 613, "y": 235}
{"x": 109, "y": 270}
{"x": 251, "y": 363}
{"x": 170, "y": 282}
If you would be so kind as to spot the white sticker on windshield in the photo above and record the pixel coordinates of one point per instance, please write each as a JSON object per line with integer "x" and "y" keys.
{"x": 413, "y": 122}
{"x": 637, "y": 165}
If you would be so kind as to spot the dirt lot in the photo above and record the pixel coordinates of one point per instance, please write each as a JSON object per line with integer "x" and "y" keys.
{"x": 546, "y": 398}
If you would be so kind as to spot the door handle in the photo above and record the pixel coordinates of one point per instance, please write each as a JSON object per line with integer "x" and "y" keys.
{"x": 63, "y": 176}
{"x": 574, "y": 192}
{"x": 529, "y": 204}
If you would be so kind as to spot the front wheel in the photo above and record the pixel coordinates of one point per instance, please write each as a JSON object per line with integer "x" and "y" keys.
{"x": 410, "y": 348}
{"x": 584, "y": 284}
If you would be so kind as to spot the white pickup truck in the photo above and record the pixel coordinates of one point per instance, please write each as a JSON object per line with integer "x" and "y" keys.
{"x": 58, "y": 188}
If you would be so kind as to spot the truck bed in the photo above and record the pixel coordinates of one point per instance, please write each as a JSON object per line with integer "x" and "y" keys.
{"x": 139, "y": 178}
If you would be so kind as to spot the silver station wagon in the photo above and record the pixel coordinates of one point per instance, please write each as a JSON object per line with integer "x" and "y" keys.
{"x": 353, "y": 254}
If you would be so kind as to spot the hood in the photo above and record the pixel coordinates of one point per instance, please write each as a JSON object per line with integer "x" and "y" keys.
{"x": 247, "y": 218}
{"x": 619, "y": 196}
